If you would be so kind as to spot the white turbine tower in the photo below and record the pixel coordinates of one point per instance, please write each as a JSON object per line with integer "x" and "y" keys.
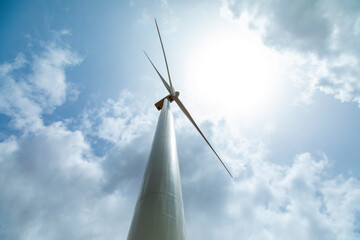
{"x": 159, "y": 211}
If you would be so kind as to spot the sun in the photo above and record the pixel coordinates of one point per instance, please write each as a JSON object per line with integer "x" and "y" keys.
{"x": 230, "y": 70}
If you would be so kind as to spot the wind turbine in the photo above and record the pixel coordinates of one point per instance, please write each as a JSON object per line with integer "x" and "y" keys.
{"x": 159, "y": 211}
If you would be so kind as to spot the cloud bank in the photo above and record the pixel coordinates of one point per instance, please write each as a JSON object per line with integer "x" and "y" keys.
{"x": 53, "y": 185}
{"x": 324, "y": 34}
{"x": 25, "y": 96}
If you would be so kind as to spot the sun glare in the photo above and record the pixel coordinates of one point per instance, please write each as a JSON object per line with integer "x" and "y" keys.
{"x": 232, "y": 71}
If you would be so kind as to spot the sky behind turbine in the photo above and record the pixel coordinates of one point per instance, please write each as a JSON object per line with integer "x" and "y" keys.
{"x": 274, "y": 85}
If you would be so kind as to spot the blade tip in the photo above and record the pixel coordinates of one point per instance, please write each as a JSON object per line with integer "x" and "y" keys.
{"x": 157, "y": 27}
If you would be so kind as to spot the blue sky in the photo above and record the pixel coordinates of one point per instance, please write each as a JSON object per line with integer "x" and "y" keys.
{"x": 273, "y": 85}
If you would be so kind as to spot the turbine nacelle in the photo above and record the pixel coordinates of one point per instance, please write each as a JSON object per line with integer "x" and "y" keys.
{"x": 171, "y": 98}
{"x": 174, "y": 96}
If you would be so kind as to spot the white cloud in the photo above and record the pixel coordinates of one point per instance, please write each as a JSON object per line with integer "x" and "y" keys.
{"x": 48, "y": 76}
{"x": 266, "y": 200}
{"x": 52, "y": 188}
{"x": 118, "y": 121}
{"x": 52, "y": 185}
{"x": 145, "y": 17}
{"x": 60, "y": 189}
{"x": 8, "y": 67}
{"x": 324, "y": 32}
{"x": 15, "y": 101}
{"x": 168, "y": 20}
{"x": 274, "y": 202}
{"x": 25, "y": 96}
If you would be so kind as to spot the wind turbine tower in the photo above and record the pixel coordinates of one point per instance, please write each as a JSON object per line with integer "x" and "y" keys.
{"x": 159, "y": 211}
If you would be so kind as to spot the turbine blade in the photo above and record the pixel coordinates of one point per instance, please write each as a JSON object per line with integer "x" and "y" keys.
{"x": 162, "y": 46}
{"x": 182, "y": 107}
{"x": 162, "y": 79}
